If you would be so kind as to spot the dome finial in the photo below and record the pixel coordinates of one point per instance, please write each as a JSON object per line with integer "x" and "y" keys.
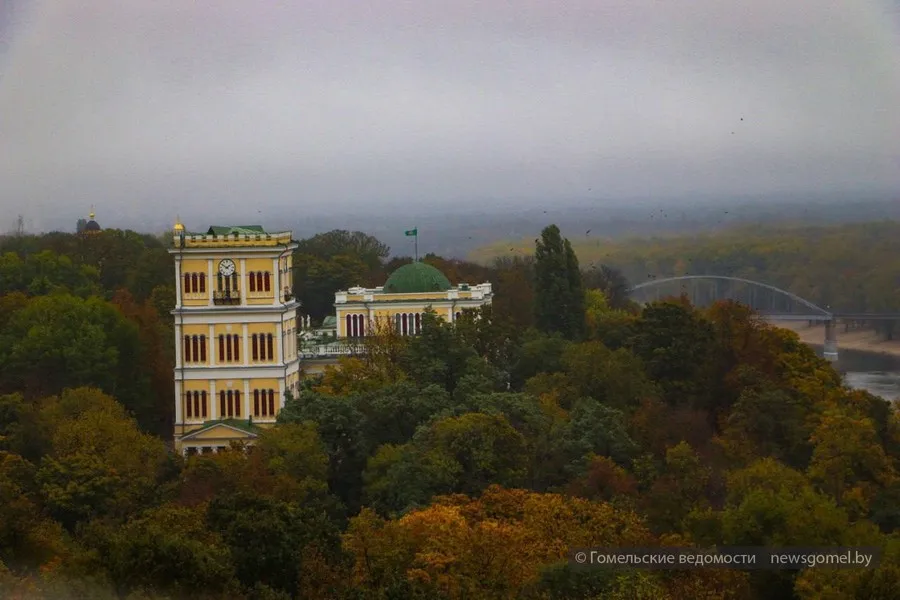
{"x": 91, "y": 214}
{"x": 178, "y": 225}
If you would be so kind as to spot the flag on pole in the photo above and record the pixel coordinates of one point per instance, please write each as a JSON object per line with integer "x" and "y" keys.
{"x": 412, "y": 231}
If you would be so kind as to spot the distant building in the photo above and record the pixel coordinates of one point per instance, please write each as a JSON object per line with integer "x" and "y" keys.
{"x": 236, "y": 351}
{"x": 399, "y": 304}
{"x": 406, "y": 294}
{"x": 89, "y": 226}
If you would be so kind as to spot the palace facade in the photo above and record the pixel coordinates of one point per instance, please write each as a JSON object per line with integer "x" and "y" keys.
{"x": 399, "y": 304}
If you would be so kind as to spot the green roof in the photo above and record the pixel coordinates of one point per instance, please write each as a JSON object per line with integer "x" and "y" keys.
{"x": 416, "y": 278}
{"x": 231, "y": 229}
{"x": 329, "y": 321}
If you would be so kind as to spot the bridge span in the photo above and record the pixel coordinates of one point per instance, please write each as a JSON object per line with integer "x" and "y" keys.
{"x": 772, "y": 303}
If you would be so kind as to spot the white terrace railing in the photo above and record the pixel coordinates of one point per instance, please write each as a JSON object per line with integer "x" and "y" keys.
{"x": 332, "y": 350}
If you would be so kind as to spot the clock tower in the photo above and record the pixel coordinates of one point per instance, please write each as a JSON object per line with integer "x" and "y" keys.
{"x": 235, "y": 334}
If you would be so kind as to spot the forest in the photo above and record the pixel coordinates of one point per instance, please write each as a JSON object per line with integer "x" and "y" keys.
{"x": 851, "y": 267}
{"x": 460, "y": 463}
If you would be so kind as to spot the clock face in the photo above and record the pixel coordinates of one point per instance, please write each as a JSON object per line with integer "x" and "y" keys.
{"x": 226, "y": 267}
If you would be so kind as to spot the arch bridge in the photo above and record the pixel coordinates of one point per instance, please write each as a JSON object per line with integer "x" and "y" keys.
{"x": 772, "y": 303}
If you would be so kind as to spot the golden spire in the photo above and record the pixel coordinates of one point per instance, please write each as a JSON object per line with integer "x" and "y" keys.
{"x": 91, "y": 215}
{"x": 178, "y": 225}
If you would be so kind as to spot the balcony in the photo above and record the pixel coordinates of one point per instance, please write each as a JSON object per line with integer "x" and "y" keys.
{"x": 231, "y": 298}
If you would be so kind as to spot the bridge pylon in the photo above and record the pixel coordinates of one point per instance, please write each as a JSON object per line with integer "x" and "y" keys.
{"x": 830, "y": 351}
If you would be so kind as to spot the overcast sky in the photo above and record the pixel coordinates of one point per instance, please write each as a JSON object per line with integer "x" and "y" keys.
{"x": 222, "y": 108}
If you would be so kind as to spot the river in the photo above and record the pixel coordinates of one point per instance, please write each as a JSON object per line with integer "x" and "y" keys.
{"x": 876, "y": 373}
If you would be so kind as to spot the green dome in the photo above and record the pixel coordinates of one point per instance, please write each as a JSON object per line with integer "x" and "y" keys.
{"x": 415, "y": 278}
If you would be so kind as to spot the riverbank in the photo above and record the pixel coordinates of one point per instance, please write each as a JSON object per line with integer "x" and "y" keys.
{"x": 864, "y": 340}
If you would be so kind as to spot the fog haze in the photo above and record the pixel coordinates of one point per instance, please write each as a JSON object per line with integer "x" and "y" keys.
{"x": 244, "y": 111}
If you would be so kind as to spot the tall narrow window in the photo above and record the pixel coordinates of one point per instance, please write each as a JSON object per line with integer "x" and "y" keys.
{"x": 202, "y": 348}
{"x": 237, "y": 403}
{"x": 202, "y": 283}
{"x": 237, "y": 347}
{"x": 349, "y": 325}
{"x": 397, "y": 323}
{"x": 271, "y": 403}
{"x": 221, "y": 403}
{"x": 234, "y": 282}
{"x": 266, "y": 282}
{"x": 196, "y": 404}
{"x": 259, "y": 281}
{"x": 187, "y": 348}
{"x": 203, "y": 403}
{"x": 252, "y": 281}
{"x": 405, "y": 321}
{"x": 362, "y": 325}
{"x": 256, "y": 402}
{"x": 227, "y": 284}
{"x": 418, "y": 323}
{"x": 228, "y": 348}
{"x": 195, "y": 285}
{"x": 189, "y": 406}
{"x": 195, "y": 347}
{"x": 187, "y": 283}
{"x": 221, "y": 348}
{"x": 255, "y": 347}
{"x": 271, "y": 346}
{"x": 219, "y": 281}
{"x": 228, "y": 405}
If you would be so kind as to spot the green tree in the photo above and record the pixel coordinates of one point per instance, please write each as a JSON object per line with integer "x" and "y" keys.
{"x": 271, "y": 540}
{"x": 559, "y": 291}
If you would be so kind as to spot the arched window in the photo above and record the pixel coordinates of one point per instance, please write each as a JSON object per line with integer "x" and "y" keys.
{"x": 418, "y": 323}
{"x": 237, "y": 403}
{"x": 252, "y": 280}
{"x": 266, "y": 281}
{"x": 256, "y": 402}
{"x": 203, "y": 403}
{"x": 255, "y": 347}
{"x": 195, "y": 347}
{"x": 187, "y": 348}
{"x": 405, "y": 321}
{"x": 236, "y": 340}
{"x": 187, "y": 283}
{"x": 228, "y": 348}
{"x": 194, "y": 283}
{"x": 234, "y": 281}
{"x": 271, "y": 402}
{"x": 457, "y": 316}
{"x": 349, "y": 321}
{"x": 196, "y": 404}
{"x": 271, "y": 345}
{"x": 202, "y": 283}
{"x": 362, "y": 325}
{"x": 397, "y": 323}
{"x": 202, "y": 348}
{"x": 259, "y": 281}
{"x": 221, "y": 347}
{"x": 188, "y": 406}
{"x": 221, "y": 403}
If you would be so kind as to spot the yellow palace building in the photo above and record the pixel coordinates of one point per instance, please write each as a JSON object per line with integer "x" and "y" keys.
{"x": 399, "y": 304}
{"x": 403, "y": 298}
{"x": 236, "y": 350}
